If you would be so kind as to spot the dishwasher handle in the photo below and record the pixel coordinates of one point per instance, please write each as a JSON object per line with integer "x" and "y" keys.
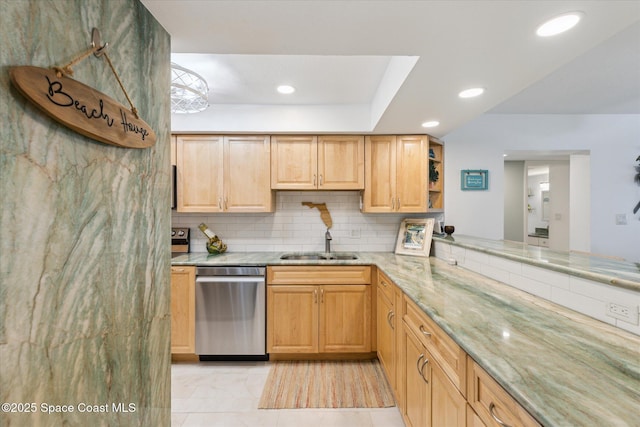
{"x": 230, "y": 279}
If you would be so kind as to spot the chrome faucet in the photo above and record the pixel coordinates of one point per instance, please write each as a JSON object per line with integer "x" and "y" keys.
{"x": 327, "y": 241}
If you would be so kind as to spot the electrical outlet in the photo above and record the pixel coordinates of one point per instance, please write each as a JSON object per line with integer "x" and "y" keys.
{"x": 355, "y": 233}
{"x": 621, "y": 219}
{"x": 623, "y": 312}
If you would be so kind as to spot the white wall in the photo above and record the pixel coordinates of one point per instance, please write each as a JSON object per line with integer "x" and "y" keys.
{"x": 559, "y": 208}
{"x": 580, "y": 201}
{"x": 614, "y": 144}
{"x": 514, "y": 201}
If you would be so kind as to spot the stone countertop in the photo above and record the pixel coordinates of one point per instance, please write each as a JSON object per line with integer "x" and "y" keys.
{"x": 623, "y": 274}
{"x": 565, "y": 368}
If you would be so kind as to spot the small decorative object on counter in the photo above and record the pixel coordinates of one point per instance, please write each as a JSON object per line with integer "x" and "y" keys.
{"x": 449, "y": 229}
{"x": 214, "y": 245}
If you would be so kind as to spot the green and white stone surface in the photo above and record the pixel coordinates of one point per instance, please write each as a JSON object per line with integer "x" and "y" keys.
{"x": 84, "y": 254}
{"x": 624, "y": 274}
{"x": 565, "y": 368}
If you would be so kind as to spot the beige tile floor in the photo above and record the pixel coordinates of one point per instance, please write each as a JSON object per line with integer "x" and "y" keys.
{"x": 227, "y": 394}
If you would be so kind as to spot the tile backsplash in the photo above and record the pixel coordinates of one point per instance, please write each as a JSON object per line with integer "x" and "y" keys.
{"x": 294, "y": 227}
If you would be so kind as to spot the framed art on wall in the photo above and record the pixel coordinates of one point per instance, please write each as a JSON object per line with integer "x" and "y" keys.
{"x": 474, "y": 179}
{"x": 414, "y": 237}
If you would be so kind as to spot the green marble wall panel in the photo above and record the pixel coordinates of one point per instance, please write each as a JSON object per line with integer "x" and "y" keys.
{"x": 84, "y": 253}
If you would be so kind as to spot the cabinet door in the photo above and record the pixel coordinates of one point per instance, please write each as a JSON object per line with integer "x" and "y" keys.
{"x": 247, "y": 170}
{"x": 492, "y": 403}
{"x": 411, "y": 173}
{"x": 341, "y": 162}
{"x": 399, "y": 350}
{"x": 473, "y": 420}
{"x": 448, "y": 406}
{"x": 416, "y": 409}
{"x": 345, "y": 318}
{"x": 385, "y": 319}
{"x": 200, "y": 173}
{"x": 294, "y": 162}
{"x": 292, "y": 319}
{"x": 380, "y": 174}
{"x": 183, "y": 310}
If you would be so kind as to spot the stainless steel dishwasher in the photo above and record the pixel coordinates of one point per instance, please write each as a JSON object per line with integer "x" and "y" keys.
{"x": 230, "y": 313}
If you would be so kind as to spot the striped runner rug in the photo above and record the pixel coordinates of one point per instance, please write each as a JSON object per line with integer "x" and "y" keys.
{"x": 326, "y": 384}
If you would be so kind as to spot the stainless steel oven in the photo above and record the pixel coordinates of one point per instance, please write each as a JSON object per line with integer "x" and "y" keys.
{"x": 231, "y": 313}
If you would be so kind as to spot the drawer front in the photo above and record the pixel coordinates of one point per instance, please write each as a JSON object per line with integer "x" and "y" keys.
{"x": 385, "y": 286}
{"x": 449, "y": 355}
{"x": 492, "y": 403}
{"x": 319, "y": 275}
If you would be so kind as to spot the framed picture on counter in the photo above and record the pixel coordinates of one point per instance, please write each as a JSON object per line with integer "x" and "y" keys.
{"x": 414, "y": 237}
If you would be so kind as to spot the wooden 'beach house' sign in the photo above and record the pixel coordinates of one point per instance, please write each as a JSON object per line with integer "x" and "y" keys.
{"x": 82, "y": 108}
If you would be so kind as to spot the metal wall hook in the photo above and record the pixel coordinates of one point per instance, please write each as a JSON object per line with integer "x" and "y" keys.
{"x": 95, "y": 41}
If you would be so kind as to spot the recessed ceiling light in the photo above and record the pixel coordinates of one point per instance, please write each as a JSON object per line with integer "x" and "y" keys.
{"x": 430, "y": 124}
{"x": 286, "y": 89}
{"x": 470, "y": 93}
{"x": 559, "y": 24}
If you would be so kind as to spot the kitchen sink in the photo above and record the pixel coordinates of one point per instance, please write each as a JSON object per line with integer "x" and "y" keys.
{"x": 318, "y": 256}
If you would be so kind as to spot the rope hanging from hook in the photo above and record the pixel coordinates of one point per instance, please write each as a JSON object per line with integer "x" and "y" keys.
{"x": 66, "y": 70}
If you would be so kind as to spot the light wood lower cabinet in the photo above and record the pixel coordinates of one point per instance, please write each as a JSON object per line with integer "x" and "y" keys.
{"x": 388, "y": 328}
{"x": 493, "y": 405}
{"x": 473, "y": 420}
{"x": 318, "y": 309}
{"x": 430, "y": 397}
{"x": 183, "y": 309}
{"x": 416, "y": 407}
{"x": 436, "y": 383}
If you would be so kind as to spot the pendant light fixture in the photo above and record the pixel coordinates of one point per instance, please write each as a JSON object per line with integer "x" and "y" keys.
{"x": 189, "y": 91}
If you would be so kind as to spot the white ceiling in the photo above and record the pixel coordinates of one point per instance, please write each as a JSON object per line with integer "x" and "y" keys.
{"x": 387, "y": 66}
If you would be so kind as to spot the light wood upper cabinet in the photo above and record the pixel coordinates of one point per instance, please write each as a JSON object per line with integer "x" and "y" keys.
{"x": 224, "y": 174}
{"x": 247, "y": 166}
{"x": 380, "y": 174}
{"x": 306, "y": 162}
{"x": 183, "y": 309}
{"x": 411, "y": 173}
{"x": 200, "y": 173}
{"x": 340, "y": 162}
{"x": 294, "y": 162}
{"x": 396, "y": 173}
